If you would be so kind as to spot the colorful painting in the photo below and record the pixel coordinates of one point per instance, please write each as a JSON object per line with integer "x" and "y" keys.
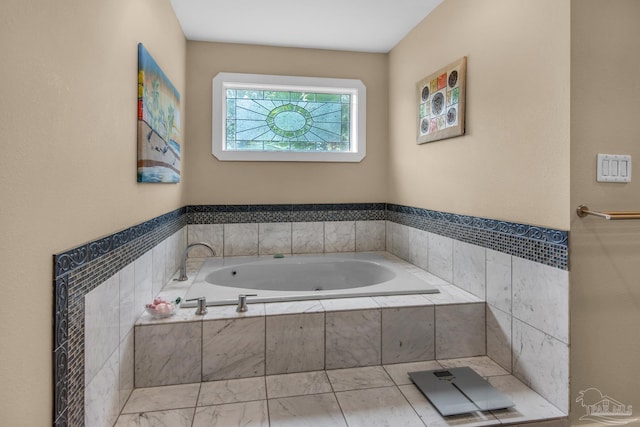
{"x": 441, "y": 101}
{"x": 158, "y": 123}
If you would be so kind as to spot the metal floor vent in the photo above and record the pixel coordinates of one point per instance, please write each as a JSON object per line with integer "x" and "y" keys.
{"x": 459, "y": 391}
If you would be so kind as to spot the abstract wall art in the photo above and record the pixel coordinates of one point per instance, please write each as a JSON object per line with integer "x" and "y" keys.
{"x": 158, "y": 123}
{"x": 441, "y": 103}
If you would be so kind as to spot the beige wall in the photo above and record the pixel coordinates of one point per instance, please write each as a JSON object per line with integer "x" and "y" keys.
{"x": 210, "y": 181}
{"x": 68, "y": 163}
{"x": 605, "y": 268}
{"x": 513, "y": 162}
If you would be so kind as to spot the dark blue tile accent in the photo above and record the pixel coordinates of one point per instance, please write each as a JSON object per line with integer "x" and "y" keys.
{"x": 79, "y": 256}
{"x": 557, "y": 237}
{"x": 539, "y": 244}
{"x": 60, "y": 376}
{"x": 229, "y": 214}
{"x": 60, "y": 331}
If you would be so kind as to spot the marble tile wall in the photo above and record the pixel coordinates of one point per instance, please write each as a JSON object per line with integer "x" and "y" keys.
{"x": 270, "y": 238}
{"x": 110, "y": 311}
{"x": 525, "y": 326}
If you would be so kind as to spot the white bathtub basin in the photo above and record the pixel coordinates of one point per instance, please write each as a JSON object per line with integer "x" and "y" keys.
{"x": 301, "y": 277}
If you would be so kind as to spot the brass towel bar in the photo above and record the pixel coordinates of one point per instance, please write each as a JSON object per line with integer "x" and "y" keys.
{"x": 611, "y": 215}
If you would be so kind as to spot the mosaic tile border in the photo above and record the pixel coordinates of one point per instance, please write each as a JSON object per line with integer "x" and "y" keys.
{"x": 544, "y": 245}
{"x": 77, "y": 272}
{"x": 230, "y": 214}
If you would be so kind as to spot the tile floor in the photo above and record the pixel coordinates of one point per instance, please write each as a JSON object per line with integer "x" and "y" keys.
{"x": 369, "y": 397}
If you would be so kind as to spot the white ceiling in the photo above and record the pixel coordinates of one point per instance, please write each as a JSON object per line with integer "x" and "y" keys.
{"x": 355, "y": 25}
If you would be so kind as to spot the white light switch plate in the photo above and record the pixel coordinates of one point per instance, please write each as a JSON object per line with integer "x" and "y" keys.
{"x": 614, "y": 168}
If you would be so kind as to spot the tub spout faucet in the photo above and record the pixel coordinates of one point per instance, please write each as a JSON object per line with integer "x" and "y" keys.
{"x": 183, "y": 266}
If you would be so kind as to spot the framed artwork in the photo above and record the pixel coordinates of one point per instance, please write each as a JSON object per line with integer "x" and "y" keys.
{"x": 158, "y": 123}
{"x": 441, "y": 102}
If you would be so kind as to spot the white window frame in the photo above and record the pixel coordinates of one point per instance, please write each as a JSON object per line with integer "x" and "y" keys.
{"x": 354, "y": 87}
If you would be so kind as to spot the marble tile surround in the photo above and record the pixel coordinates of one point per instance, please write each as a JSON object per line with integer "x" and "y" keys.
{"x": 111, "y": 310}
{"x": 321, "y": 335}
{"x": 516, "y": 291}
{"x": 419, "y": 239}
{"x": 452, "y": 337}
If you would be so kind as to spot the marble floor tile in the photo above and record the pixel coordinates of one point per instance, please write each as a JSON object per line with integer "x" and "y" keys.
{"x": 315, "y": 410}
{"x": 400, "y": 372}
{"x": 162, "y": 398}
{"x": 377, "y": 407}
{"x": 431, "y": 417}
{"x": 245, "y": 414}
{"x": 298, "y": 384}
{"x": 483, "y": 365}
{"x": 232, "y": 391}
{"x": 529, "y": 406}
{"x": 173, "y": 418}
{"x": 359, "y": 378}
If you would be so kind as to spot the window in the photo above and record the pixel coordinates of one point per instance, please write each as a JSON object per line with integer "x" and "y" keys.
{"x": 281, "y": 118}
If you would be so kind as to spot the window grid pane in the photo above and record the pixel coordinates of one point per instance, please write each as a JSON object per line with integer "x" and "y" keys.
{"x": 277, "y": 120}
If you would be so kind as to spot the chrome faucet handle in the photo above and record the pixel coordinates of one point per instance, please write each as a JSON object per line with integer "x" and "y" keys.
{"x": 202, "y": 305}
{"x": 242, "y": 302}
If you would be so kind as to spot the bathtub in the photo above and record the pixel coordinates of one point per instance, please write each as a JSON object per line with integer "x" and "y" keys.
{"x": 302, "y": 277}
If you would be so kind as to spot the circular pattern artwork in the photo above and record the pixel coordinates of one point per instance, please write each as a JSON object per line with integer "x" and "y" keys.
{"x": 453, "y": 78}
{"x": 425, "y": 93}
{"x": 424, "y": 126}
{"x": 437, "y": 103}
{"x": 452, "y": 114}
